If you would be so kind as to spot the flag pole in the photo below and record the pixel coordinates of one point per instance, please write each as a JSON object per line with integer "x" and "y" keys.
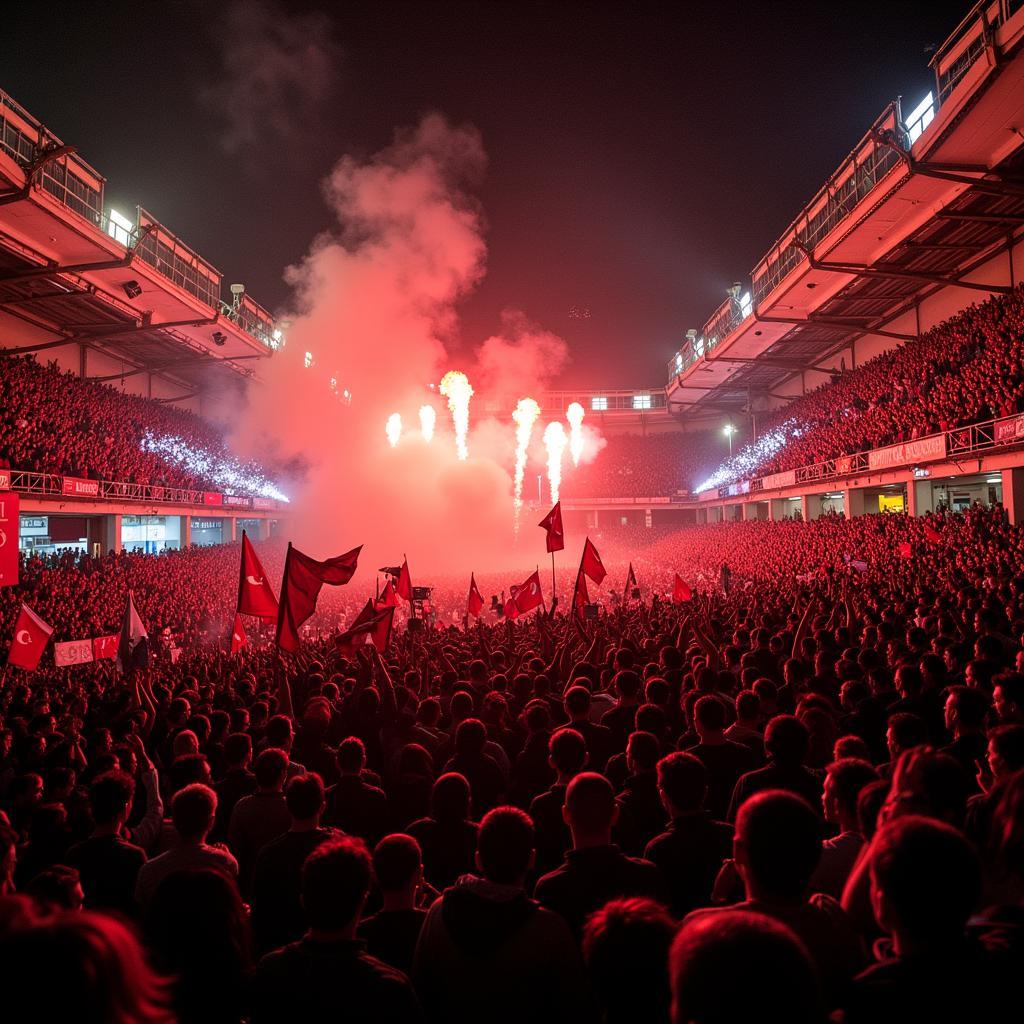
{"x": 552, "y": 577}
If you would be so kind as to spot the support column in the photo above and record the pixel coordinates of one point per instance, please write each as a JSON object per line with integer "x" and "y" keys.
{"x": 232, "y": 530}
{"x": 185, "y": 531}
{"x": 778, "y": 508}
{"x": 1013, "y": 495}
{"x": 920, "y": 499}
{"x": 112, "y": 534}
{"x": 853, "y": 502}
{"x": 811, "y": 507}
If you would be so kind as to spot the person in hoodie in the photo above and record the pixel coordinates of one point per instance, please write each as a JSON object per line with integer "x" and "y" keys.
{"x": 489, "y": 952}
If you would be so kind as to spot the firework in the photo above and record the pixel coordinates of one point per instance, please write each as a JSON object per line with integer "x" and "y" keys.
{"x": 427, "y": 419}
{"x": 525, "y": 415}
{"x": 393, "y": 428}
{"x": 554, "y": 441}
{"x": 574, "y": 414}
{"x": 456, "y": 388}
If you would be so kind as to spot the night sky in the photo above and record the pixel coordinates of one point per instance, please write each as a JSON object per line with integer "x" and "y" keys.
{"x": 641, "y": 158}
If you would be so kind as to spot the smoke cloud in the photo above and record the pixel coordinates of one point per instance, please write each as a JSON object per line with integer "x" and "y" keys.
{"x": 375, "y": 310}
{"x": 278, "y": 70}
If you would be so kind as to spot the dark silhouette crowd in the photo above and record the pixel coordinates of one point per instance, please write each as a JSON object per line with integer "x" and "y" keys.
{"x": 797, "y": 796}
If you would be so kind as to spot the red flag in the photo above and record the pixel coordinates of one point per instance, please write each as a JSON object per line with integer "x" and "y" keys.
{"x": 592, "y": 564}
{"x": 580, "y": 596}
{"x": 388, "y": 598}
{"x": 31, "y": 636}
{"x": 9, "y": 503}
{"x": 105, "y": 647}
{"x": 475, "y": 601}
{"x": 371, "y": 626}
{"x": 681, "y": 592}
{"x": 511, "y": 611}
{"x": 630, "y": 583}
{"x": 404, "y": 588}
{"x": 255, "y": 595}
{"x": 932, "y": 535}
{"x": 905, "y": 550}
{"x": 238, "y": 637}
{"x": 529, "y": 595}
{"x": 300, "y": 587}
{"x": 552, "y": 522}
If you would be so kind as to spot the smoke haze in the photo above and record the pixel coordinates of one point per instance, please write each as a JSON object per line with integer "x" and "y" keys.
{"x": 375, "y": 310}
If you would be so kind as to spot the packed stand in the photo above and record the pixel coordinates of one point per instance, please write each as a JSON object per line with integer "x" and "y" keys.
{"x": 54, "y": 422}
{"x": 798, "y": 794}
{"x": 644, "y": 465}
{"x": 967, "y": 370}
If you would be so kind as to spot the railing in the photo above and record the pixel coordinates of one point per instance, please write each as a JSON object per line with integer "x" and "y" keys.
{"x": 53, "y": 484}
{"x": 967, "y": 43}
{"x": 79, "y": 188}
{"x": 1005, "y": 432}
{"x": 726, "y": 319}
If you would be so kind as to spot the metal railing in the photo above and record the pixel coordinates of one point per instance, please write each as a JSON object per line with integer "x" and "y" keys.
{"x": 1005, "y": 432}
{"x": 52, "y": 484}
{"x": 967, "y": 43}
{"x": 169, "y": 256}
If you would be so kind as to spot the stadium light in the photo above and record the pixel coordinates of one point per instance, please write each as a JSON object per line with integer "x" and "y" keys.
{"x": 729, "y": 430}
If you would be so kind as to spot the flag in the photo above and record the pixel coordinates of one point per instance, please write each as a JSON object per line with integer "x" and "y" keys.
{"x": 72, "y": 652}
{"x": 371, "y": 626}
{"x": 933, "y": 536}
{"x": 31, "y": 635}
{"x": 133, "y": 644}
{"x": 592, "y": 564}
{"x": 404, "y": 587}
{"x": 511, "y": 611}
{"x": 630, "y": 583}
{"x": 9, "y": 520}
{"x": 552, "y": 522}
{"x": 475, "y": 601}
{"x": 681, "y": 592}
{"x": 905, "y": 550}
{"x": 529, "y": 595}
{"x": 238, "y": 637}
{"x": 388, "y": 598}
{"x": 580, "y": 596}
{"x": 300, "y": 587}
{"x": 255, "y": 595}
{"x": 859, "y": 564}
{"x": 105, "y": 647}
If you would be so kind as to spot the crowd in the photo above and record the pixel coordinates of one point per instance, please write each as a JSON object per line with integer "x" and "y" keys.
{"x": 55, "y": 422}
{"x": 796, "y": 796}
{"x": 968, "y": 369}
{"x": 645, "y": 465}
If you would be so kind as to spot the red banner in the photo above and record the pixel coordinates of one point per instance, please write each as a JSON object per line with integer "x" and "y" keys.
{"x": 5, "y": 479}
{"x": 77, "y": 488}
{"x": 104, "y": 647}
{"x": 237, "y": 501}
{"x": 9, "y": 503}
{"x": 212, "y": 498}
{"x": 1010, "y": 430}
{"x": 844, "y": 465}
{"x": 924, "y": 450}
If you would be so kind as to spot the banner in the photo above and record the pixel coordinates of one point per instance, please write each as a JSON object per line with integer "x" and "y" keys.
{"x": 1010, "y": 430}
{"x": 924, "y": 450}
{"x": 104, "y": 647}
{"x": 263, "y": 503}
{"x": 5, "y": 479}
{"x": 74, "y": 652}
{"x": 212, "y": 498}
{"x": 844, "y": 465}
{"x": 775, "y": 480}
{"x": 237, "y": 501}
{"x": 75, "y": 487}
{"x": 9, "y": 524}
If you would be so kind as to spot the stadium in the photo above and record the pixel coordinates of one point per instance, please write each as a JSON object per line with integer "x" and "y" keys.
{"x": 358, "y": 669}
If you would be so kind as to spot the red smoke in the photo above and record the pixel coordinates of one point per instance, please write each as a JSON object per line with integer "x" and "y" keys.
{"x": 376, "y": 305}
